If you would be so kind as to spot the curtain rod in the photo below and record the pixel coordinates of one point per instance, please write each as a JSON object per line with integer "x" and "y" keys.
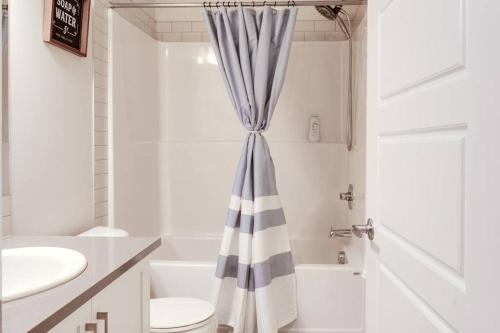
{"x": 214, "y": 4}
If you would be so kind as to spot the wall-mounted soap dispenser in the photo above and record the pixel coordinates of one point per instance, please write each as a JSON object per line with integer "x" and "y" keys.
{"x": 314, "y": 129}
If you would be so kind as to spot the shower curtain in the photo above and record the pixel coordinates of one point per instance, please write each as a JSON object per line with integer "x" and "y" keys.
{"x": 255, "y": 275}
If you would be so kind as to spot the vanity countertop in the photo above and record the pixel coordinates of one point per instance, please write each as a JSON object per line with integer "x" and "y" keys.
{"x": 108, "y": 258}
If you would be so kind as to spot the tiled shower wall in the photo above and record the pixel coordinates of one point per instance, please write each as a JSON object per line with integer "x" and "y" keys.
{"x": 100, "y": 38}
{"x": 196, "y": 31}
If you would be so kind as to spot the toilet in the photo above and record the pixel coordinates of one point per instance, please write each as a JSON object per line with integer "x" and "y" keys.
{"x": 104, "y": 232}
{"x": 180, "y": 314}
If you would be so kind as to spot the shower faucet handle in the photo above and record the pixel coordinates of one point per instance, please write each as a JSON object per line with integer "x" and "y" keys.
{"x": 348, "y": 196}
{"x": 368, "y": 229}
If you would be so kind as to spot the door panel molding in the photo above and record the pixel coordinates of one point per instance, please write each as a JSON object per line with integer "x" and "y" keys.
{"x": 428, "y": 319}
{"x": 435, "y": 52}
{"x": 422, "y": 183}
{"x": 447, "y": 273}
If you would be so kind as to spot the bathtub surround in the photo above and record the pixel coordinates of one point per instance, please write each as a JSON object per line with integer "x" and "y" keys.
{"x": 135, "y": 129}
{"x": 179, "y": 159}
{"x": 255, "y": 276}
{"x": 185, "y": 150}
{"x": 172, "y": 26}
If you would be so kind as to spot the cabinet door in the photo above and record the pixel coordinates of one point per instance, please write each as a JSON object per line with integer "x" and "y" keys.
{"x": 125, "y": 302}
{"x": 75, "y": 322}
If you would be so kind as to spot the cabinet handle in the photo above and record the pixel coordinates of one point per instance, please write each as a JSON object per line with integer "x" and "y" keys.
{"x": 91, "y": 327}
{"x": 103, "y": 316}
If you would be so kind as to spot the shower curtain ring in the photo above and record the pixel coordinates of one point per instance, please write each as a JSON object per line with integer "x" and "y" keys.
{"x": 253, "y": 4}
{"x": 288, "y": 3}
{"x": 217, "y": 4}
{"x": 264, "y": 4}
{"x": 274, "y": 3}
{"x": 204, "y": 6}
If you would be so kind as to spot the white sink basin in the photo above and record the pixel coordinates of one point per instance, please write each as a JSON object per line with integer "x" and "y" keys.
{"x": 31, "y": 270}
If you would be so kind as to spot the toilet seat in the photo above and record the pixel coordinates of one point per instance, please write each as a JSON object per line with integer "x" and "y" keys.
{"x": 179, "y": 314}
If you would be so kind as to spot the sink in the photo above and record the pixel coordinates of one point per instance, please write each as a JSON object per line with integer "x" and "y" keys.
{"x": 30, "y": 270}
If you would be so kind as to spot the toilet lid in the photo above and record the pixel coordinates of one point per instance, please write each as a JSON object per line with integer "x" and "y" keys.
{"x": 174, "y": 312}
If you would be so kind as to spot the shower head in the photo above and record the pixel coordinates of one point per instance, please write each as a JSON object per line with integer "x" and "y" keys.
{"x": 329, "y": 12}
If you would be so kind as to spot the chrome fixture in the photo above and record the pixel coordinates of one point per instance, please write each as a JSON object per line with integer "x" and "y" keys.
{"x": 357, "y": 230}
{"x": 340, "y": 233}
{"x": 368, "y": 229}
{"x": 348, "y": 196}
{"x": 342, "y": 258}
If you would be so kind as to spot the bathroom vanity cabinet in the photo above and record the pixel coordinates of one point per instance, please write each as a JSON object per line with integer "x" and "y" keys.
{"x": 110, "y": 296}
{"x": 123, "y": 306}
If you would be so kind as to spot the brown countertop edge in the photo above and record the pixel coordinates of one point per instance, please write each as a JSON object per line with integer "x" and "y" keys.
{"x": 77, "y": 302}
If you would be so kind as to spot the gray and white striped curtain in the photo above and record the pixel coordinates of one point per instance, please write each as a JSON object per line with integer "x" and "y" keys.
{"x": 255, "y": 275}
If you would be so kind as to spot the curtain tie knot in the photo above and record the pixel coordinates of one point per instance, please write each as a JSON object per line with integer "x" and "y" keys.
{"x": 256, "y": 132}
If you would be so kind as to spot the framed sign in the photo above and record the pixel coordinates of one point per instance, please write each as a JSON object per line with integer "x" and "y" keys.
{"x": 66, "y": 24}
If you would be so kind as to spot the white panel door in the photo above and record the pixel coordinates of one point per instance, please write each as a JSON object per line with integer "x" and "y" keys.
{"x": 433, "y": 179}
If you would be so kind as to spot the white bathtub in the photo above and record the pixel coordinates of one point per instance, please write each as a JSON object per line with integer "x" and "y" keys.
{"x": 330, "y": 296}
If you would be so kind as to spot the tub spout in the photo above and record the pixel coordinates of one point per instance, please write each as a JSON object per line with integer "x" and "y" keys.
{"x": 340, "y": 233}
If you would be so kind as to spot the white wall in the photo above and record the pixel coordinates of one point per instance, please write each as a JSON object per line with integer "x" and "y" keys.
{"x": 51, "y": 129}
{"x": 135, "y": 129}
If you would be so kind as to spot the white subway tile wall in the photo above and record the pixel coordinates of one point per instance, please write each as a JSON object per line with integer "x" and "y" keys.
{"x": 196, "y": 31}
{"x": 100, "y": 54}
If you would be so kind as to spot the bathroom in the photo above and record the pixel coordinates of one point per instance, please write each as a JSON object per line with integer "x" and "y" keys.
{"x": 121, "y": 156}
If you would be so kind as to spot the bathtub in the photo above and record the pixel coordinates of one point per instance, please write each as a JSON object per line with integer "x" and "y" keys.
{"x": 330, "y": 295}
